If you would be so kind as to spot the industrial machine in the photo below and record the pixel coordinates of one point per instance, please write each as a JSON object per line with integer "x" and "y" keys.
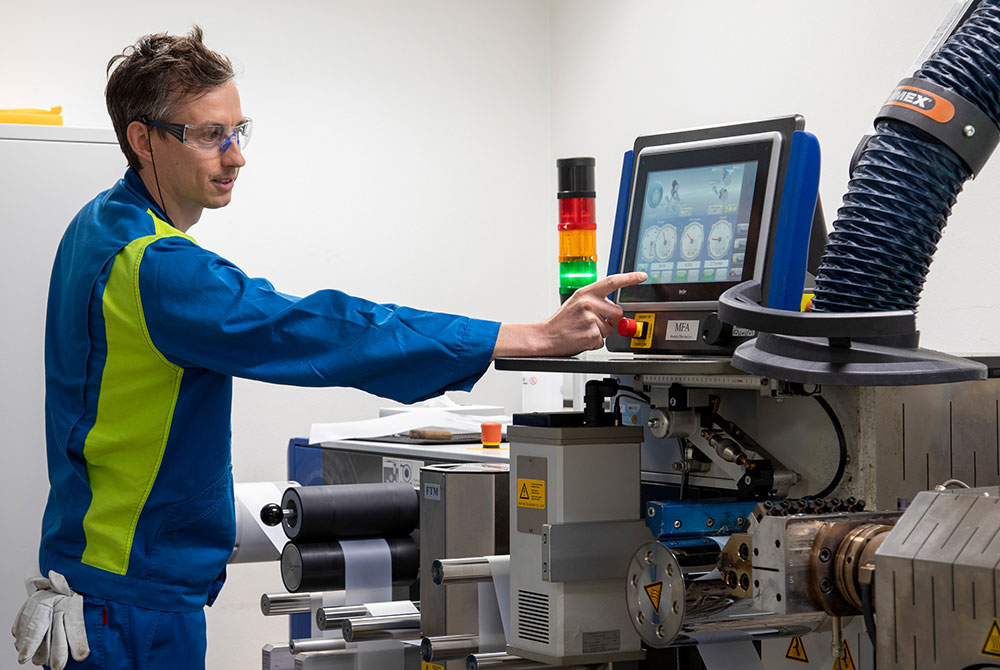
{"x": 745, "y": 484}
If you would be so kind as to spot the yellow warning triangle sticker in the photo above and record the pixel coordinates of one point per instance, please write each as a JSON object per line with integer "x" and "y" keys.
{"x": 846, "y": 661}
{"x": 523, "y": 495}
{"x": 797, "y": 650}
{"x": 653, "y": 591}
{"x": 992, "y": 645}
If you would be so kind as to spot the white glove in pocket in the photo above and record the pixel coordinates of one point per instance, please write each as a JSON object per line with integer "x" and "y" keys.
{"x": 49, "y": 626}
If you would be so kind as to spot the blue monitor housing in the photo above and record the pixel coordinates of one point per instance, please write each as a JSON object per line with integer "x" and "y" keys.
{"x": 703, "y": 210}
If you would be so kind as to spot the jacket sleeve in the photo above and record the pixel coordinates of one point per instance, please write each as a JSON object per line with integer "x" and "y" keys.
{"x": 201, "y": 311}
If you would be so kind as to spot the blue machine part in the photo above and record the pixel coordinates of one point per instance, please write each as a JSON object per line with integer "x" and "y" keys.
{"x": 795, "y": 218}
{"x": 673, "y": 519}
{"x": 305, "y": 466}
{"x": 305, "y": 462}
{"x": 688, "y": 542}
{"x": 621, "y": 216}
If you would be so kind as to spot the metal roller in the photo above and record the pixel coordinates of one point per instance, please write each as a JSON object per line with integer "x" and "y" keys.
{"x": 273, "y": 604}
{"x": 448, "y": 647}
{"x": 309, "y": 645}
{"x": 507, "y": 662}
{"x": 332, "y": 618}
{"x": 392, "y": 627}
{"x": 461, "y": 570}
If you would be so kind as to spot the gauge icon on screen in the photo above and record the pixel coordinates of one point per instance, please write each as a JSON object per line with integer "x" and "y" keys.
{"x": 719, "y": 238}
{"x": 666, "y": 243}
{"x": 691, "y": 240}
{"x": 648, "y": 249}
{"x": 655, "y": 196}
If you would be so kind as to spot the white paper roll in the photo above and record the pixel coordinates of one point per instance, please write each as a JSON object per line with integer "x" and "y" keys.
{"x": 256, "y": 542}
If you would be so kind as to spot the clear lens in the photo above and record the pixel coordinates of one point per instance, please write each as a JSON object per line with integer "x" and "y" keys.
{"x": 218, "y": 137}
{"x": 245, "y": 130}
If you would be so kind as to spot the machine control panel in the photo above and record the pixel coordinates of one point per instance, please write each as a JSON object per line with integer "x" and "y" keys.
{"x": 699, "y": 218}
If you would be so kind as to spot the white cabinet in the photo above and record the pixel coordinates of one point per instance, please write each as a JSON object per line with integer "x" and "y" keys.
{"x": 46, "y": 175}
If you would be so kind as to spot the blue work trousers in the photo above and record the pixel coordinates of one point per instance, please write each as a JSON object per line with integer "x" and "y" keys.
{"x": 126, "y": 637}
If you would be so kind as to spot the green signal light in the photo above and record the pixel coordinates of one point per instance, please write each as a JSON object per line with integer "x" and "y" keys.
{"x": 576, "y": 274}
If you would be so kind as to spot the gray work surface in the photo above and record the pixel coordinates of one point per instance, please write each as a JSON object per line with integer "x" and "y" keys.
{"x": 444, "y": 452}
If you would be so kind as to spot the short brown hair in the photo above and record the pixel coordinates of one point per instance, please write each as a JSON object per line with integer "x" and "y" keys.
{"x": 148, "y": 79}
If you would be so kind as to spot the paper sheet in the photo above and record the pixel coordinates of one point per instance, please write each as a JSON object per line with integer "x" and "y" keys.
{"x": 255, "y": 541}
{"x": 494, "y": 606}
{"x": 728, "y": 650}
{"x": 400, "y": 423}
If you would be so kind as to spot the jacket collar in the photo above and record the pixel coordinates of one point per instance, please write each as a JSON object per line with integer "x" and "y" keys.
{"x": 133, "y": 182}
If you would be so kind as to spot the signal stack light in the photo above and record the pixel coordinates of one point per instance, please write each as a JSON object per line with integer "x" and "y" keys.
{"x": 577, "y": 225}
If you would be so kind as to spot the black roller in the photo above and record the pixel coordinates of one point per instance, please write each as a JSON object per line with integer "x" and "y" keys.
{"x": 324, "y": 513}
{"x": 320, "y": 566}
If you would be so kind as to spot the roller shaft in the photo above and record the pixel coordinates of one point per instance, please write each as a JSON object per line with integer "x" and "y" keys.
{"x": 396, "y": 626}
{"x": 316, "y": 644}
{"x": 332, "y": 618}
{"x": 507, "y": 662}
{"x": 461, "y": 570}
{"x": 273, "y": 604}
{"x": 447, "y": 647}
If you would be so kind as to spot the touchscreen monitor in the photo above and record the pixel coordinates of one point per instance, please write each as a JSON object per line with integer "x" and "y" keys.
{"x": 698, "y": 218}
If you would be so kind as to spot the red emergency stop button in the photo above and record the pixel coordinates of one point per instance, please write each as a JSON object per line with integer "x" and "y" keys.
{"x": 631, "y": 328}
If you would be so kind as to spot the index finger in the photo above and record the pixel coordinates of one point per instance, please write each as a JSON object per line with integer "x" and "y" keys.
{"x": 612, "y": 283}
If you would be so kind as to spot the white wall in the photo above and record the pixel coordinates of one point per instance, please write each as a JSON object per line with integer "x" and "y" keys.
{"x": 622, "y": 69}
{"x": 428, "y": 130}
{"x": 400, "y": 152}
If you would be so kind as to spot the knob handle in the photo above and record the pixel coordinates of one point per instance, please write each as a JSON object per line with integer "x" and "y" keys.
{"x": 272, "y": 514}
{"x": 715, "y": 332}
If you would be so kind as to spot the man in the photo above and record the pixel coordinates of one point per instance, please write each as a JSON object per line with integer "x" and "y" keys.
{"x": 145, "y": 330}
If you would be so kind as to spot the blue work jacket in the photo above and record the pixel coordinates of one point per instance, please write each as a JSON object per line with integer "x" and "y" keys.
{"x": 145, "y": 331}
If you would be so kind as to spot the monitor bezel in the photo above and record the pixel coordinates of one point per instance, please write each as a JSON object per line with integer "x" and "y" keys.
{"x": 765, "y": 148}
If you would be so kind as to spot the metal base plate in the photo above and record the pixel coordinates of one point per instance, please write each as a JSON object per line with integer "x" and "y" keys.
{"x": 579, "y": 659}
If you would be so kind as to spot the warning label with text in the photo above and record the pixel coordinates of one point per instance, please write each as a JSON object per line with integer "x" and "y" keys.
{"x": 531, "y": 493}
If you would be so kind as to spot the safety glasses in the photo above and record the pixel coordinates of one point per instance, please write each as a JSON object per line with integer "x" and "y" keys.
{"x": 209, "y": 137}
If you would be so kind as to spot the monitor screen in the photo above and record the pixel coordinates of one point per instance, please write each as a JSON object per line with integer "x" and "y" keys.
{"x": 695, "y": 223}
{"x": 696, "y": 218}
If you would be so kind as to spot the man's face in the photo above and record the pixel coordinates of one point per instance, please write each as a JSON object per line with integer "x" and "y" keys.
{"x": 192, "y": 179}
